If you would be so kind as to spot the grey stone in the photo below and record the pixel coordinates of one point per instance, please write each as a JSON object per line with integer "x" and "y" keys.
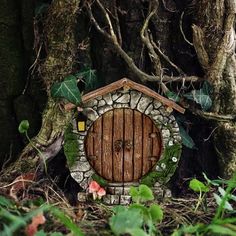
{"x": 91, "y": 114}
{"x": 167, "y": 193}
{"x": 118, "y": 190}
{"x": 80, "y": 142}
{"x": 125, "y": 199}
{"x": 101, "y": 103}
{"x": 157, "y": 104}
{"x": 134, "y": 98}
{"x": 164, "y": 112}
{"x": 91, "y": 103}
{"x": 88, "y": 173}
{"x": 81, "y": 147}
{"x": 82, "y": 197}
{"x": 144, "y": 103}
{"x": 177, "y": 138}
{"x": 149, "y": 109}
{"x": 126, "y": 190}
{"x": 81, "y": 152}
{"x": 125, "y": 98}
{"x": 107, "y": 199}
{"x": 83, "y": 166}
{"x": 83, "y": 158}
{"x": 120, "y": 105}
{"x": 114, "y": 199}
{"x": 158, "y": 118}
{"x": 78, "y": 176}
{"x": 104, "y": 109}
{"x": 108, "y": 99}
{"x": 111, "y": 190}
{"x": 116, "y": 95}
{"x": 99, "y": 98}
{"x": 155, "y": 112}
{"x": 170, "y": 143}
{"x": 171, "y": 118}
{"x": 84, "y": 183}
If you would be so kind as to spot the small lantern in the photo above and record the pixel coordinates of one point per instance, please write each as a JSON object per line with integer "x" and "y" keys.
{"x": 81, "y": 122}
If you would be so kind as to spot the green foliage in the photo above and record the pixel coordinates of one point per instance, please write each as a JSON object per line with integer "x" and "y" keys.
{"x": 102, "y": 182}
{"x": 201, "y": 96}
{"x": 219, "y": 225}
{"x": 125, "y": 220}
{"x": 198, "y": 186}
{"x": 23, "y": 126}
{"x": 173, "y": 96}
{"x": 186, "y": 139}
{"x": 67, "y": 89}
{"x": 141, "y": 194}
{"x": 14, "y": 219}
{"x": 89, "y": 77}
{"x": 137, "y": 219}
{"x": 71, "y": 148}
{"x": 163, "y": 175}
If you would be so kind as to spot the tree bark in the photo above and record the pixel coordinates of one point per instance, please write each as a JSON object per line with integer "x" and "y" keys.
{"x": 61, "y": 46}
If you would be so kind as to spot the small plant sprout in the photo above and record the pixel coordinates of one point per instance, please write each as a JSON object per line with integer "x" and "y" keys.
{"x": 23, "y": 129}
{"x": 137, "y": 219}
{"x": 96, "y": 190}
{"x": 198, "y": 187}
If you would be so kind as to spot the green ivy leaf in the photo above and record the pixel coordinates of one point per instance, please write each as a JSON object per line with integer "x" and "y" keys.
{"x": 145, "y": 193}
{"x": 137, "y": 232}
{"x": 67, "y": 89}
{"x": 134, "y": 193}
{"x": 226, "y": 206}
{"x": 173, "y": 96}
{"x": 23, "y": 126}
{"x": 221, "y": 230}
{"x": 89, "y": 77}
{"x": 198, "y": 186}
{"x": 201, "y": 96}
{"x": 186, "y": 139}
{"x": 156, "y": 212}
{"x": 125, "y": 221}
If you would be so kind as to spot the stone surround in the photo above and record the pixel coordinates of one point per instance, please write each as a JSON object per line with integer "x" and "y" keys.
{"x": 160, "y": 114}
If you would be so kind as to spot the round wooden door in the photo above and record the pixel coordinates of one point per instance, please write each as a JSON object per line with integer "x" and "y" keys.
{"x": 123, "y": 145}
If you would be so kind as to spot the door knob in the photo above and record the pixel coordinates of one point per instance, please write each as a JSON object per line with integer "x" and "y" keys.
{"x": 128, "y": 145}
{"x": 118, "y": 145}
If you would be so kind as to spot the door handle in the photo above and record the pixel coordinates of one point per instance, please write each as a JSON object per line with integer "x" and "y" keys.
{"x": 118, "y": 145}
{"x": 128, "y": 145}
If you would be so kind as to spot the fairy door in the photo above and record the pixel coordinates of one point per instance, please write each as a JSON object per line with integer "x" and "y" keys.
{"x": 123, "y": 145}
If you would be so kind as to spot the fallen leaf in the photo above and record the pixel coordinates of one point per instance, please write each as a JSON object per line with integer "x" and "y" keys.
{"x": 20, "y": 183}
{"x": 32, "y": 228}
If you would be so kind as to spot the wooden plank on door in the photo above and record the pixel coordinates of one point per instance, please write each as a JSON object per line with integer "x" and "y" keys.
{"x": 97, "y": 127}
{"x": 156, "y": 144}
{"x": 89, "y": 145}
{"x": 138, "y": 140}
{"x": 107, "y": 124}
{"x": 147, "y": 144}
{"x": 128, "y": 145}
{"x": 118, "y": 137}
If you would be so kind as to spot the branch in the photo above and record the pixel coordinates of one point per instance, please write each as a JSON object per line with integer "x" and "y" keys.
{"x": 142, "y": 76}
{"x": 198, "y": 42}
{"x": 181, "y": 29}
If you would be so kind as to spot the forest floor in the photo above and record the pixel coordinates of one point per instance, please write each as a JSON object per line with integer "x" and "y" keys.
{"x": 93, "y": 217}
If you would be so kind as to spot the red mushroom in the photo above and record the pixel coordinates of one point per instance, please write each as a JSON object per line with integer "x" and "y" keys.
{"x": 93, "y": 187}
{"x": 101, "y": 192}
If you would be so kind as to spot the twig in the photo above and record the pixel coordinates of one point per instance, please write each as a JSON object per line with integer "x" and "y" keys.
{"x": 181, "y": 29}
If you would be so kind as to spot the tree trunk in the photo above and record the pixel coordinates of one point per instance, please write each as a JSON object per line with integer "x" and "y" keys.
{"x": 169, "y": 45}
{"x": 59, "y": 28}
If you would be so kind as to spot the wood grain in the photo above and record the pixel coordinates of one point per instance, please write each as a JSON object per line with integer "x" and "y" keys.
{"x": 128, "y": 145}
{"x": 118, "y": 135}
{"x": 138, "y": 140}
{"x": 107, "y": 126}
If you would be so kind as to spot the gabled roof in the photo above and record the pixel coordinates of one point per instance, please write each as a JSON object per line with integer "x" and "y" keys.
{"x": 126, "y": 83}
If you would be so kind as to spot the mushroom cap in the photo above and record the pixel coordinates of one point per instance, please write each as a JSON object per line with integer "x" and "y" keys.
{"x": 101, "y": 192}
{"x": 94, "y": 187}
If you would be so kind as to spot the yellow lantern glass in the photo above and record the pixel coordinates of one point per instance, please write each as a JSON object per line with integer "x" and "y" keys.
{"x": 81, "y": 126}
